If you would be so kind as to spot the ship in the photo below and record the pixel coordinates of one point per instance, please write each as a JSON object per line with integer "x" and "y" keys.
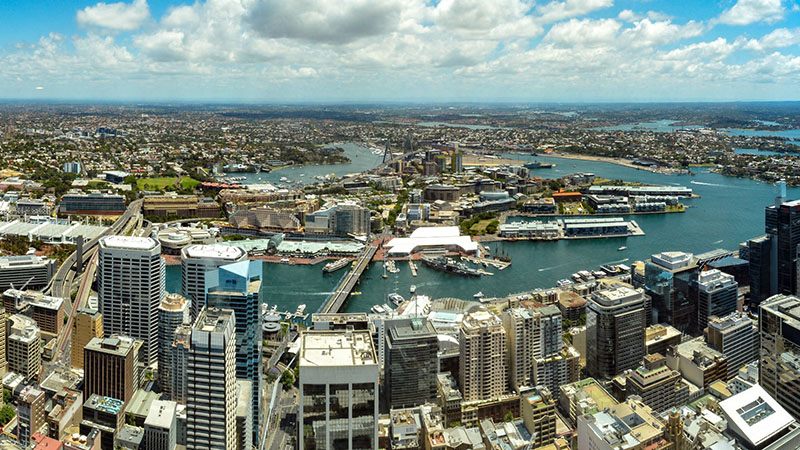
{"x": 538, "y": 165}
{"x": 396, "y": 298}
{"x": 413, "y": 288}
{"x": 336, "y": 265}
{"x": 449, "y": 265}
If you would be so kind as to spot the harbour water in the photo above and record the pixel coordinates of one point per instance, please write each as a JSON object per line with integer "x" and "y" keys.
{"x": 729, "y": 211}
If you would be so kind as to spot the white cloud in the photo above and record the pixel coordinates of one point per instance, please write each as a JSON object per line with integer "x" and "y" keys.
{"x": 583, "y": 32}
{"x": 500, "y": 19}
{"x": 626, "y": 15}
{"x": 645, "y": 33}
{"x": 745, "y": 12}
{"x": 778, "y": 38}
{"x": 115, "y": 16}
{"x": 559, "y": 10}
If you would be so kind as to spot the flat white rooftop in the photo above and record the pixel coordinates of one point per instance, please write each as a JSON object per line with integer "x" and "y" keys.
{"x": 215, "y": 251}
{"x": 755, "y": 415}
{"x": 337, "y": 349}
{"x": 128, "y": 242}
{"x": 432, "y": 237}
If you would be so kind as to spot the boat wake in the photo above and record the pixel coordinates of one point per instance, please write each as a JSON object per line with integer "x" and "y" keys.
{"x": 703, "y": 183}
{"x": 718, "y": 242}
{"x": 544, "y": 269}
{"x": 617, "y": 261}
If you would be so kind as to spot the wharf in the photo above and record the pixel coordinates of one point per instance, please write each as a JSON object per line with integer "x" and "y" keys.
{"x": 500, "y": 265}
{"x": 413, "y": 267}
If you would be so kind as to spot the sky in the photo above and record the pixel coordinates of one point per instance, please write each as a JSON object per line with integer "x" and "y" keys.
{"x": 401, "y": 50}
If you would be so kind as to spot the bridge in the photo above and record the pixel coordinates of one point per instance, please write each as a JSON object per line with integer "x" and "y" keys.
{"x": 334, "y": 302}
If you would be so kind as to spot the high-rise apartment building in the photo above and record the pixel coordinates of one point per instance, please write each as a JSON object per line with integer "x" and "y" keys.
{"x": 779, "y": 363}
{"x": 615, "y": 331}
{"x": 411, "y": 364}
{"x": 24, "y": 347}
{"x": 196, "y": 260}
{"x": 30, "y": 413}
{"x": 3, "y": 357}
{"x": 760, "y": 267}
{"x": 172, "y": 313}
{"x": 717, "y": 295}
{"x": 87, "y": 324}
{"x": 520, "y": 331}
{"x": 211, "y": 381}
{"x": 338, "y": 404}
{"x": 180, "y": 363}
{"x": 782, "y": 223}
{"x": 130, "y": 287}
{"x": 237, "y": 287}
{"x": 659, "y": 387}
{"x": 483, "y": 372}
{"x": 666, "y": 282}
{"x": 736, "y": 337}
{"x": 538, "y": 411}
{"x": 110, "y": 367}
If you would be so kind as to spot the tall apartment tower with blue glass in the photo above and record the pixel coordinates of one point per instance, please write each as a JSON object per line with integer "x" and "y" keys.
{"x": 236, "y": 287}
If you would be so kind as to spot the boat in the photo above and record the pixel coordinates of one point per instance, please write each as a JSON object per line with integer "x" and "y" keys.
{"x": 564, "y": 283}
{"x": 479, "y": 294}
{"x": 387, "y": 308}
{"x": 449, "y": 265}
{"x": 621, "y": 249}
{"x": 355, "y": 293}
{"x": 335, "y": 265}
{"x": 284, "y": 179}
{"x": 301, "y": 309}
{"x": 538, "y": 165}
{"x": 396, "y": 298}
{"x": 413, "y": 288}
{"x": 598, "y": 274}
{"x": 576, "y": 277}
{"x": 391, "y": 266}
{"x": 378, "y": 309}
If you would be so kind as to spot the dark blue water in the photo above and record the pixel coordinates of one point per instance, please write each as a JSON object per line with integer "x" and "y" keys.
{"x": 755, "y": 151}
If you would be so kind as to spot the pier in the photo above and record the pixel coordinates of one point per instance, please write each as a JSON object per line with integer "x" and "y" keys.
{"x": 335, "y": 301}
{"x": 496, "y": 263}
{"x": 413, "y": 268}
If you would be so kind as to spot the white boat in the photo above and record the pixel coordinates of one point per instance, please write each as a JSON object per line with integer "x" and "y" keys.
{"x": 378, "y": 309}
{"x": 396, "y": 298}
{"x": 413, "y": 288}
{"x": 284, "y": 179}
{"x": 623, "y": 248}
{"x": 301, "y": 309}
{"x": 479, "y": 295}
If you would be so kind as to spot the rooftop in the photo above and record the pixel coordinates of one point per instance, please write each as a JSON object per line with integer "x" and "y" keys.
{"x": 129, "y": 243}
{"x": 337, "y": 348}
{"x": 115, "y": 345}
{"x": 105, "y": 404}
{"x": 162, "y": 414}
{"x": 755, "y": 416}
{"x": 216, "y": 251}
{"x": 174, "y": 302}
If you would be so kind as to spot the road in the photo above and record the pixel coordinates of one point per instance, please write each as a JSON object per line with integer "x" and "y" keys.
{"x": 336, "y": 300}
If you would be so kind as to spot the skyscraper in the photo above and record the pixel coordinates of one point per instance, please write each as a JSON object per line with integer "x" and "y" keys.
{"x": 31, "y": 413}
{"x": 236, "y": 287}
{"x": 482, "y": 343}
{"x": 782, "y": 223}
{"x": 3, "y": 360}
{"x": 130, "y": 286}
{"x": 196, "y": 260}
{"x": 338, "y": 404}
{"x": 779, "y": 363}
{"x": 666, "y": 282}
{"x": 110, "y": 367}
{"x": 717, "y": 295}
{"x": 615, "y": 324}
{"x": 520, "y": 330}
{"x": 172, "y": 313}
{"x": 411, "y": 364}
{"x": 736, "y": 337}
{"x": 211, "y": 381}
{"x": 86, "y": 324}
{"x": 760, "y": 266}
{"x": 180, "y": 363}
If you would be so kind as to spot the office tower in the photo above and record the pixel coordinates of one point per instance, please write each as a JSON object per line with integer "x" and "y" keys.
{"x": 180, "y": 363}
{"x": 172, "y": 313}
{"x": 782, "y": 223}
{"x": 631, "y": 424}
{"x": 130, "y": 286}
{"x": 717, "y": 295}
{"x": 86, "y": 325}
{"x": 26, "y": 272}
{"x": 211, "y": 381}
{"x": 110, "y": 368}
{"x": 760, "y": 265}
{"x": 520, "y": 330}
{"x": 46, "y": 311}
{"x": 196, "y": 260}
{"x": 667, "y": 276}
{"x": 338, "y": 404}
{"x": 658, "y": 386}
{"x": 457, "y": 160}
{"x": 411, "y": 364}
{"x": 538, "y": 411}
{"x": 24, "y": 347}
{"x": 244, "y": 415}
{"x": 779, "y": 362}
{"x": 3, "y": 358}
{"x": 615, "y": 324}
{"x": 736, "y": 337}
{"x": 482, "y": 361}
{"x": 30, "y": 412}
{"x": 160, "y": 426}
{"x": 658, "y": 338}
{"x": 236, "y": 287}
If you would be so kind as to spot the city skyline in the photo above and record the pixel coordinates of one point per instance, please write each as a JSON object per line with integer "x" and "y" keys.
{"x": 389, "y": 50}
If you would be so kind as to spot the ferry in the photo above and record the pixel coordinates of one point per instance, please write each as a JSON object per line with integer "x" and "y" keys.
{"x": 622, "y": 249}
{"x": 413, "y": 288}
{"x": 479, "y": 294}
{"x": 564, "y": 283}
{"x": 336, "y": 265}
{"x": 396, "y": 298}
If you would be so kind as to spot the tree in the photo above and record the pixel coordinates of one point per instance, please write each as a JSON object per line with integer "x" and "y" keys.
{"x": 509, "y": 417}
{"x": 6, "y": 395}
{"x": 287, "y": 379}
{"x": 7, "y": 412}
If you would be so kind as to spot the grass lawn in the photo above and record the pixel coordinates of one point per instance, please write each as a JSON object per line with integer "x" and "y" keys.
{"x": 155, "y": 184}
{"x": 480, "y": 227}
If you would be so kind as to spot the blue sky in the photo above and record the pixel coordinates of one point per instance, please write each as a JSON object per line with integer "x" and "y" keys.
{"x": 416, "y": 50}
